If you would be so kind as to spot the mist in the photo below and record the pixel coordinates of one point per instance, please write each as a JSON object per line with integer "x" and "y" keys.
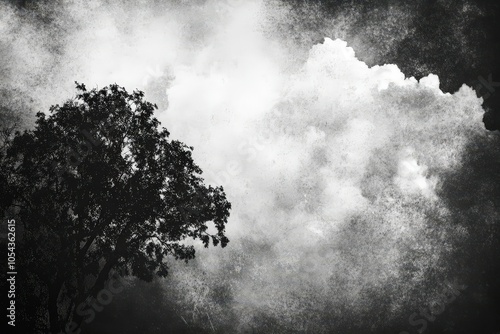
{"x": 342, "y": 170}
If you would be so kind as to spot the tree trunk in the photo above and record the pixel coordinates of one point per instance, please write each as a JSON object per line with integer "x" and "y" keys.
{"x": 54, "y": 320}
{"x": 94, "y": 291}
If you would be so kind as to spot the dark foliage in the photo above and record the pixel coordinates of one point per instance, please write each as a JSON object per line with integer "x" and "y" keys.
{"x": 100, "y": 187}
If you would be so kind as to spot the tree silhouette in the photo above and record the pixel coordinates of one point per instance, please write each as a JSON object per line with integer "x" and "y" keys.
{"x": 100, "y": 188}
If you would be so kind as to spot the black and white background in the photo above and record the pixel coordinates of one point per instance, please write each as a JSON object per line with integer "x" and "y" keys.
{"x": 357, "y": 142}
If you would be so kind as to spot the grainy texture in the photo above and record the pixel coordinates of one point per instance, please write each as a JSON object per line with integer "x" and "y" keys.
{"x": 348, "y": 136}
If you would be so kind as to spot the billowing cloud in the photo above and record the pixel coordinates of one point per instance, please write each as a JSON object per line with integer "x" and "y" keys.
{"x": 335, "y": 188}
{"x": 333, "y": 167}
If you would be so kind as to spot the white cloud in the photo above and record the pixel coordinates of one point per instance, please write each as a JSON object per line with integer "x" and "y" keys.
{"x": 328, "y": 203}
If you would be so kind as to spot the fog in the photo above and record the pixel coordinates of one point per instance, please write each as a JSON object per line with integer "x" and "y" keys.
{"x": 335, "y": 167}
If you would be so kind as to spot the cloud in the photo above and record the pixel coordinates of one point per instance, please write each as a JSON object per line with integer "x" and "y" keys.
{"x": 342, "y": 193}
{"x": 333, "y": 167}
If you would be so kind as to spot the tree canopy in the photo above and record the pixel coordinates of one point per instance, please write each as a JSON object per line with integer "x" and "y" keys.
{"x": 100, "y": 188}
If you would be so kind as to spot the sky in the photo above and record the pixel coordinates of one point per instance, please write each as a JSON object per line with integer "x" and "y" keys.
{"x": 346, "y": 173}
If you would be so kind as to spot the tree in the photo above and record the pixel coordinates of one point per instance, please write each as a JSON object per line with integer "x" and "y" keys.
{"x": 101, "y": 188}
